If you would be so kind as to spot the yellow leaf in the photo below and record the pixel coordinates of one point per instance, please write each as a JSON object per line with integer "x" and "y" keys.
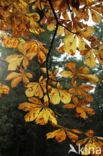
{"x": 31, "y": 1}
{"x": 54, "y": 96}
{"x": 92, "y": 78}
{"x": 12, "y": 75}
{"x": 15, "y": 81}
{"x": 86, "y": 87}
{"x": 14, "y": 61}
{"x": 71, "y": 66}
{"x": 41, "y": 56}
{"x": 83, "y": 70}
{"x": 52, "y": 118}
{"x": 42, "y": 118}
{"x": 95, "y": 16}
{"x": 66, "y": 74}
{"x": 59, "y": 134}
{"x": 88, "y": 31}
{"x": 70, "y": 44}
{"x": 46, "y": 115}
{"x": 35, "y": 16}
{"x": 65, "y": 96}
{"x": 51, "y": 27}
{"x": 90, "y": 59}
{"x": 82, "y": 45}
{"x": 60, "y": 30}
{"x": 31, "y": 116}
{"x": 34, "y": 89}
{"x": 99, "y": 54}
{"x": 3, "y": 89}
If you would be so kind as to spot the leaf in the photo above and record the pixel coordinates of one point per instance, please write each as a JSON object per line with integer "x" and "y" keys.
{"x": 81, "y": 142}
{"x": 14, "y": 61}
{"x": 71, "y": 66}
{"x": 66, "y": 74}
{"x": 95, "y": 16}
{"x": 15, "y": 81}
{"x": 70, "y": 43}
{"x": 83, "y": 47}
{"x": 89, "y": 110}
{"x": 81, "y": 112}
{"x": 72, "y": 136}
{"x": 41, "y": 56}
{"x": 69, "y": 106}
{"x": 92, "y": 78}
{"x": 18, "y": 77}
{"x": 51, "y": 27}
{"x": 38, "y": 112}
{"x": 90, "y": 59}
{"x": 58, "y": 94}
{"x": 99, "y": 54}
{"x": 83, "y": 70}
{"x": 34, "y": 89}
{"x": 12, "y": 75}
{"x": 89, "y": 133}
{"x": 88, "y": 31}
{"x": 58, "y": 134}
{"x": 4, "y": 89}
{"x": 54, "y": 96}
{"x": 76, "y": 131}
{"x": 86, "y": 87}
{"x": 31, "y": 116}
{"x": 65, "y": 96}
{"x": 60, "y": 30}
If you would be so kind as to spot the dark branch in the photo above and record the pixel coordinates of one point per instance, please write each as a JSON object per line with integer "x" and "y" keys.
{"x": 50, "y": 48}
{"x": 57, "y": 20}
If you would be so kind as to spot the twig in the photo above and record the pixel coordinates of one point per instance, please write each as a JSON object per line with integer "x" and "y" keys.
{"x": 51, "y": 45}
{"x": 67, "y": 28}
{"x": 65, "y": 119}
{"x": 57, "y": 18}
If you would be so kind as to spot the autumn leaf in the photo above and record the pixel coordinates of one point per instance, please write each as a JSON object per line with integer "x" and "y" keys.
{"x": 99, "y": 53}
{"x": 82, "y": 92}
{"x": 90, "y": 59}
{"x": 82, "y": 73}
{"x": 16, "y": 78}
{"x": 36, "y": 88}
{"x": 80, "y": 107}
{"x": 61, "y": 134}
{"x": 57, "y": 95}
{"x": 70, "y": 44}
{"x": 38, "y": 112}
{"x": 4, "y": 89}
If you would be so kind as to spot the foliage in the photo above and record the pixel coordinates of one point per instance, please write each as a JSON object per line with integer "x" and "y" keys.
{"x": 20, "y": 23}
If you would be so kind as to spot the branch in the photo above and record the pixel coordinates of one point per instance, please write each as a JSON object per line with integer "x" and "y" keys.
{"x": 67, "y": 28}
{"x": 65, "y": 119}
{"x": 50, "y": 48}
{"x": 68, "y": 6}
{"x": 57, "y": 20}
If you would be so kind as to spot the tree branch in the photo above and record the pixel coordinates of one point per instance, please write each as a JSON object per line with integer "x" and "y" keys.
{"x": 50, "y": 48}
